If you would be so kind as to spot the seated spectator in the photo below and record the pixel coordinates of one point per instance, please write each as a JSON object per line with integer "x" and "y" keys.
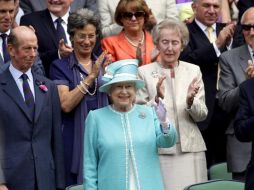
{"x": 181, "y": 87}
{"x": 158, "y": 9}
{"x": 133, "y": 42}
{"x": 78, "y": 78}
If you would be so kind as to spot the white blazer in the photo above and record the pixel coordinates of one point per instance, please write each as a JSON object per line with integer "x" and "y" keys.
{"x": 189, "y": 134}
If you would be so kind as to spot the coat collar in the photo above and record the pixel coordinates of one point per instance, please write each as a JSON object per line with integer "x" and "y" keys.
{"x": 244, "y": 56}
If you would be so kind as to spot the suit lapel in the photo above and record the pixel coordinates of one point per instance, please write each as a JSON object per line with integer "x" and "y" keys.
{"x": 39, "y": 96}
{"x": 198, "y": 33}
{"x": 244, "y": 56}
{"x": 49, "y": 25}
{"x": 1, "y": 60}
{"x": 10, "y": 88}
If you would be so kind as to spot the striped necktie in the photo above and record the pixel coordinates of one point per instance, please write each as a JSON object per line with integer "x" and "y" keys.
{"x": 29, "y": 98}
{"x": 60, "y": 33}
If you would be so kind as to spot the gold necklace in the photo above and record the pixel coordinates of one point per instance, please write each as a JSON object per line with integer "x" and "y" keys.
{"x": 134, "y": 44}
{"x": 86, "y": 64}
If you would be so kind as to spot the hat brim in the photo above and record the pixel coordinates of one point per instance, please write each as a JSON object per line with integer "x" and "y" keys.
{"x": 138, "y": 83}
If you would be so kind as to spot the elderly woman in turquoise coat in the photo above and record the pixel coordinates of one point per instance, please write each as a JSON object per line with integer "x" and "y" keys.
{"x": 121, "y": 140}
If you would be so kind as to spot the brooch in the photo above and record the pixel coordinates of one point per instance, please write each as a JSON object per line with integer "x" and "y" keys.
{"x": 155, "y": 74}
{"x": 142, "y": 115}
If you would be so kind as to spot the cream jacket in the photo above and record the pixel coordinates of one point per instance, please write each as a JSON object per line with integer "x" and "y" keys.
{"x": 190, "y": 137}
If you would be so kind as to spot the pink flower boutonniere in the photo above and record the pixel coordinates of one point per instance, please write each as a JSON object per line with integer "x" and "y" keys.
{"x": 42, "y": 85}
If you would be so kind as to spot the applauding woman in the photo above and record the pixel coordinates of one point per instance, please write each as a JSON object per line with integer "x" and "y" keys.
{"x": 180, "y": 86}
{"x": 78, "y": 79}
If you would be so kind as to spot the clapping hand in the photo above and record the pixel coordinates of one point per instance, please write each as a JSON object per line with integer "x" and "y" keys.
{"x": 64, "y": 49}
{"x": 225, "y": 35}
{"x": 160, "y": 89}
{"x": 192, "y": 91}
{"x": 250, "y": 70}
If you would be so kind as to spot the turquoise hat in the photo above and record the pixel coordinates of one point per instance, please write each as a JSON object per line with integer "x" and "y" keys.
{"x": 121, "y": 71}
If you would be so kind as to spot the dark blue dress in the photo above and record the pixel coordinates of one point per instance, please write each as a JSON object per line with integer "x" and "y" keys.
{"x": 69, "y": 72}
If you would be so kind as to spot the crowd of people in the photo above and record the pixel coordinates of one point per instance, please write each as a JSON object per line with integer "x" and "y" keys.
{"x": 125, "y": 94}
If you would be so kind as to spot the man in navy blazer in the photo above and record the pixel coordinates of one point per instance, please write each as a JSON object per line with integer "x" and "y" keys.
{"x": 205, "y": 53}
{"x": 244, "y": 125}
{"x": 32, "y": 148}
{"x": 29, "y": 6}
{"x": 6, "y": 20}
{"x": 45, "y": 28}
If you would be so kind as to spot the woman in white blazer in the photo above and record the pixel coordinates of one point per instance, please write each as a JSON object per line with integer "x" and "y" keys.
{"x": 179, "y": 84}
{"x": 161, "y": 9}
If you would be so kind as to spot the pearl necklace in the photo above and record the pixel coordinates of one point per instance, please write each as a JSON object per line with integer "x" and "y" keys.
{"x": 134, "y": 44}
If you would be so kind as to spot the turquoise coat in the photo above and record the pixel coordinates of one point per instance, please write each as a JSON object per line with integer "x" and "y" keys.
{"x": 112, "y": 138}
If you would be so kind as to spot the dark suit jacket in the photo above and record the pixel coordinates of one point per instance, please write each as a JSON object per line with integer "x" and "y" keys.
{"x": 46, "y": 34}
{"x": 243, "y": 5}
{"x": 32, "y": 148}
{"x": 244, "y": 125}
{"x": 200, "y": 51}
{"x": 29, "y": 6}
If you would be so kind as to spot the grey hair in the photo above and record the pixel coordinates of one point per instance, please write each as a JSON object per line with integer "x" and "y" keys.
{"x": 81, "y": 18}
{"x": 174, "y": 24}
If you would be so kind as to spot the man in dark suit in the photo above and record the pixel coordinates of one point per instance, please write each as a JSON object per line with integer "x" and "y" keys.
{"x": 29, "y": 6}
{"x": 208, "y": 40}
{"x": 32, "y": 157}
{"x": 236, "y": 66}
{"x": 244, "y": 125}
{"x": 7, "y": 8}
{"x": 243, "y": 5}
{"x": 45, "y": 24}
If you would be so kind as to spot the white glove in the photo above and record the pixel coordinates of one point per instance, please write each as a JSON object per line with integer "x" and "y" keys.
{"x": 161, "y": 111}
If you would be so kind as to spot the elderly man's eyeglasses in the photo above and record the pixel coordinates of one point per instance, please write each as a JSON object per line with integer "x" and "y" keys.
{"x": 247, "y": 27}
{"x": 129, "y": 15}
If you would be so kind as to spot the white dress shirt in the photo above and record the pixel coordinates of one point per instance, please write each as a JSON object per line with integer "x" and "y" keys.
{"x": 16, "y": 74}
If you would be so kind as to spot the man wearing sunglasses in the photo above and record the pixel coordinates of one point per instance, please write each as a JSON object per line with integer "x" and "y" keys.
{"x": 237, "y": 66}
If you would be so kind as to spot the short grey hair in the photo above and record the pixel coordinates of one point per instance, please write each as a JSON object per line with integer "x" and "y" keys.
{"x": 81, "y": 18}
{"x": 173, "y": 24}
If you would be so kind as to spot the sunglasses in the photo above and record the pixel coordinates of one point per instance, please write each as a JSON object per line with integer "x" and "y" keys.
{"x": 247, "y": 27}
{"x": 129, "y": 15}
